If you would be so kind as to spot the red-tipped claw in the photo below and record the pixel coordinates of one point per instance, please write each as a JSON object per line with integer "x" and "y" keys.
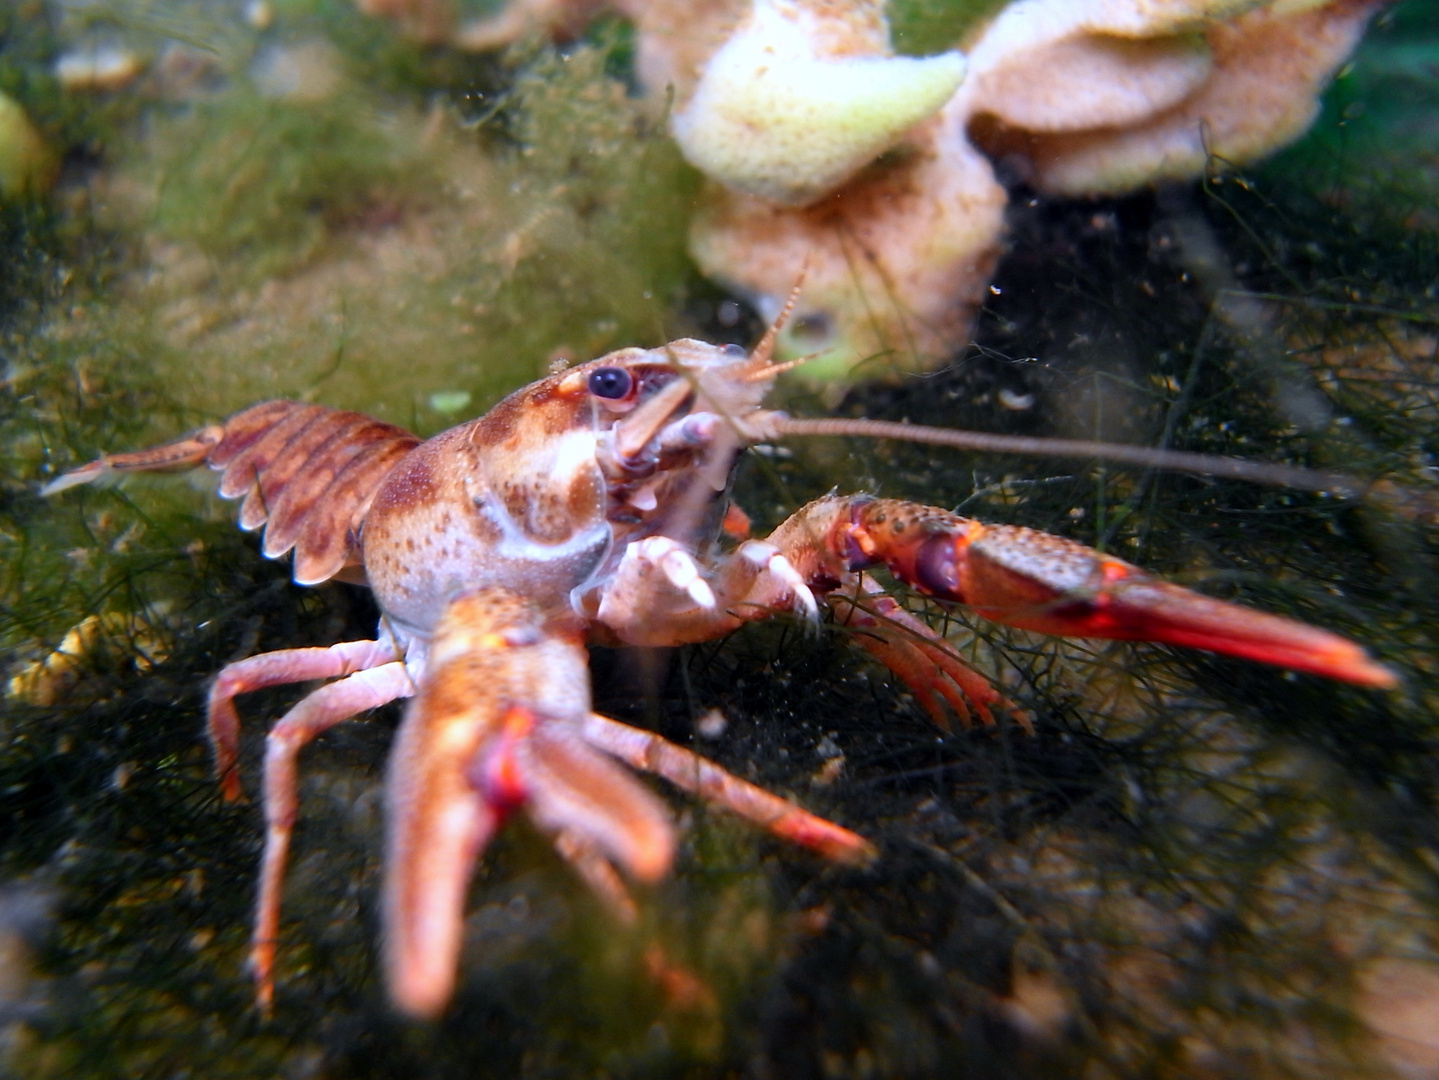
{"x": 1030, "y": 579}
{"x": 502, "y": 723}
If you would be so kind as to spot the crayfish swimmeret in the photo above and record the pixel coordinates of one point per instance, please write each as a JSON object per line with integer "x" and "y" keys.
{"x": 585, "y": 508}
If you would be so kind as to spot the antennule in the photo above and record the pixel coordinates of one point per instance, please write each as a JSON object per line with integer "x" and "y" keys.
{"x": 762, "y": 353}
{"x": 769, "y": 371}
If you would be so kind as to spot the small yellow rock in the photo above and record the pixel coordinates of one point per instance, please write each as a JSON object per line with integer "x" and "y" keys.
{"x": 53, "y": 679}
{"x": 27, "y": 165}
{"x": 102, "y": 68}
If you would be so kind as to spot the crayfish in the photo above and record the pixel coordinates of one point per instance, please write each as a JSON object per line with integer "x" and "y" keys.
{"x": 585, "y": 509}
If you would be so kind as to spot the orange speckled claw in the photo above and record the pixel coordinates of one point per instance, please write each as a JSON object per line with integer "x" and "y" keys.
{"x": 501, "y": 723}
{"x": 1030, "y": 579}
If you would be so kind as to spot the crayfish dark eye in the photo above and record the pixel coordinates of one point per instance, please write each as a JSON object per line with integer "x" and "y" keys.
{"x": 611, "y": 383}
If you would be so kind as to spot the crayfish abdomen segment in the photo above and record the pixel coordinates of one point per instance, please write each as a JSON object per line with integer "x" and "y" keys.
{"x": 307, "y": 472}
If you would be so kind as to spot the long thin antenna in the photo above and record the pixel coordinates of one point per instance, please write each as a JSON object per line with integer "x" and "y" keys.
{"x": 1258, "y": 472}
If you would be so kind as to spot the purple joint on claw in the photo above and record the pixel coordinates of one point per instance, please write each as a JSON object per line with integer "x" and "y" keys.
{"x": 938, "y": 566}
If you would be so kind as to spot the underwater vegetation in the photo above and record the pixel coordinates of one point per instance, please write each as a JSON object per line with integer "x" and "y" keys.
{"x": 1195, "y": 866}
{"x": 882, "y": 173}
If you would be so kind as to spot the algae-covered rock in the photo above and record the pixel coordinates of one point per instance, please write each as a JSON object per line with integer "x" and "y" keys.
{"x": 390, "y": 258}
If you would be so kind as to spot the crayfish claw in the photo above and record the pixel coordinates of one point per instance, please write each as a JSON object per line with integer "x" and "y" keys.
{"x": 1033, "y": 580}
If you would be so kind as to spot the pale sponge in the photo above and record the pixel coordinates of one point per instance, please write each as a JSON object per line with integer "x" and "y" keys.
{"x": 788, "y": 108}
{"x": 872, "y": 174}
